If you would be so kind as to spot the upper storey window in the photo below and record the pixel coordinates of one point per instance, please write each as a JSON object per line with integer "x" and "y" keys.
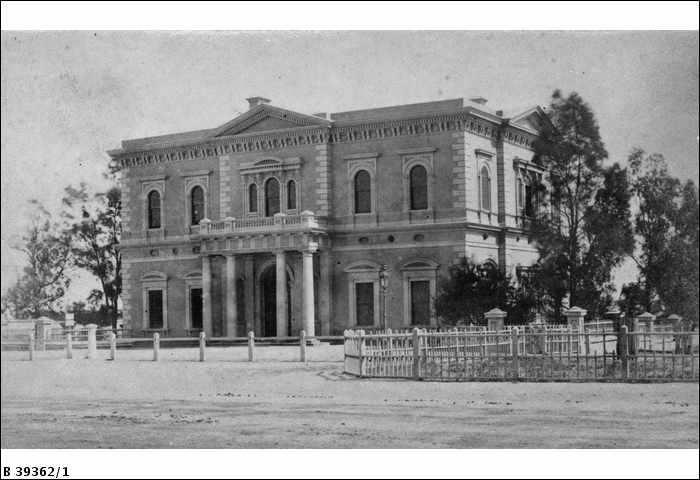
{"x": 253, "y": 198}
{"x": 485, "y": 189}
{"x": 272, "y": 197}
{"x": 197, "y": 205}
{"x": 418, "y": 179}
{"x": 363, "y": 192}
{"x": 154, "y": 209}
{"x": 291, "y": 195}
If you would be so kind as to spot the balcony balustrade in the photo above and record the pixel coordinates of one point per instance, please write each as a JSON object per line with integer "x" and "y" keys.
{"x": 279, "y": 223}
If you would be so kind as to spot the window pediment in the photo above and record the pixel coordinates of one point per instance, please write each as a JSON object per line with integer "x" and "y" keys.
{"x": 420, "y": 264}
{"x": 270, "y": 164}
{"x": 363, "y": 266}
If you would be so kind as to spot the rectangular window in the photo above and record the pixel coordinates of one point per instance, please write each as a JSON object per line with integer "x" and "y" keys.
{"x": 364, "y": 303}
{"x": 155, "y": 309}
{"x": 420, "y": 302}
{"x": 196, "y": 308}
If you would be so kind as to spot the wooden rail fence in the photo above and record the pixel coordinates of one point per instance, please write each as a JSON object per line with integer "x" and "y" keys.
{"x": 532, "y": 354}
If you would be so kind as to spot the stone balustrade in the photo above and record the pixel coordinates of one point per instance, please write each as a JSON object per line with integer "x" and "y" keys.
{"x": 279, "y": 222}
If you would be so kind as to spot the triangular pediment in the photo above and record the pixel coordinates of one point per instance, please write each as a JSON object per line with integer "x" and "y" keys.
{"x": 265, "y": 118}
{"x": 533, "y": 119}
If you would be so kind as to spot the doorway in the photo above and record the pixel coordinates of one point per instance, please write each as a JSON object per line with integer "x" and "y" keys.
{"x": 269, "y": 302}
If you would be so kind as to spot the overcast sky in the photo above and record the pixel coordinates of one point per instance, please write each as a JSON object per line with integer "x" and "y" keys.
{"x": 67, "y": 97}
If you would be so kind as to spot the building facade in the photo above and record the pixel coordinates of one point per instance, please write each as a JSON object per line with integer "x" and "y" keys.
{"x": 278, "y": 221}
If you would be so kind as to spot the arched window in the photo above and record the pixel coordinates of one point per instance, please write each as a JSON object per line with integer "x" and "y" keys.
{"x": 291, "y": 195}
{"x": 253, "y": 198}
{"x": 197, "y": 205}
{"x": 272, "y": 197}
{"x": 154, "y": 209}
{"x": 485, "y": 187}
{"x": 363, "y": 192}
{"x": 418, "y": 178}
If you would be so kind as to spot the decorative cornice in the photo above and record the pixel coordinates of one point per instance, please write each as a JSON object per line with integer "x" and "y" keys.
{"x": 319, "y": 135}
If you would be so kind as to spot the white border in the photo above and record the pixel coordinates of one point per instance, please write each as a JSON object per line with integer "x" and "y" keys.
{"x": 349, "y": 15}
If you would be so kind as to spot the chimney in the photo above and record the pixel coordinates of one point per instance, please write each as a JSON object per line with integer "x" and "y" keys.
{"x": 255, "y": 101}
{"x": 479, "y": 100}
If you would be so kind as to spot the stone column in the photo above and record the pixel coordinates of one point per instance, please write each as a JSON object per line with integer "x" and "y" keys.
{"x": 281, "y": 292}
{"x": 308, "y": 295}
{"x": 206, "y": 296}
{"x": 494, "y": 319}
{"x": 324, "y": 291}
{"x": 231, "y": 306}
{"x": 249, "y": 293}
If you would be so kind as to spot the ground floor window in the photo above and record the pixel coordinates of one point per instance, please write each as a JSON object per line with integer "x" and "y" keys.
{"x": 420, "y": 302}
{"x": 419, "y": 291}
{"x": 364, "y": 303}
{"x": 155, "y": 309}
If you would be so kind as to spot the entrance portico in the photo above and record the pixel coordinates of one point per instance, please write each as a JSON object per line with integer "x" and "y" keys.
{"x": 285, "y": 237}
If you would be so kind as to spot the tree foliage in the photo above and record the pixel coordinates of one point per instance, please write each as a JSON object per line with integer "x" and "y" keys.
{"x": 43, "y": 281}
{"x": 470, "y": 290}
{"x": 582, "y": 228}
{"x": 93, "y": 223}
{"x": 666, "y": 225}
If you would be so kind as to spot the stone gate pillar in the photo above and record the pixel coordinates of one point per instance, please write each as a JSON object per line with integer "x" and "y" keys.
{"x": 494, "y": 319}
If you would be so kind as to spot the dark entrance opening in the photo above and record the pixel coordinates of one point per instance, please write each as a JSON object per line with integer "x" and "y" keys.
{"x": 269, "y": 303}
{"x": 155, "y": 309}
{"x": 196, "y": 308}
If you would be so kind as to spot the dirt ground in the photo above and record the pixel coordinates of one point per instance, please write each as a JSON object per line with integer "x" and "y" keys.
{"x": 276, "y": 402}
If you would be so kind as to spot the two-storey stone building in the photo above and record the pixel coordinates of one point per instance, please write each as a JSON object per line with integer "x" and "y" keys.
{"x": 279, "y": 221}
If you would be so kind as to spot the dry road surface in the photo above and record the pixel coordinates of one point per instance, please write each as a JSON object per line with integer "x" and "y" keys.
{"x": 277, "y": 402}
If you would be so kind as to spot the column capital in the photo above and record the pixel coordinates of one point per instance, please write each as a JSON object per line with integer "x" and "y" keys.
{"x": 310, "y": 248}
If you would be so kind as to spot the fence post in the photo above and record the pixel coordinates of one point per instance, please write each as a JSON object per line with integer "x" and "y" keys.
{"x": 389, "y": 341}
{"x": 92, "y": 341}
{"x": 112, "y": 346}
{"x": 202, "y": 345}
{"x": 251, "y": 346}
{"x": 31, "y": 345}
{"x": 416, "y": 354}
{"x": 41, "y": 327}
{"x": 574, "y": 318}
{"x": 156, "y": 346}
{"x": 302, "y": 346}
{"x": 69, "y": 343}
{"x": 677, "y": 327}
{"x": 361, "y": 351}
{"x": 516, "y": 353}
{"x": 624, "y": 347}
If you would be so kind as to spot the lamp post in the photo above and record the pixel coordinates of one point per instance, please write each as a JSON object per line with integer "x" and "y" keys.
{"x": 383, "y": 283}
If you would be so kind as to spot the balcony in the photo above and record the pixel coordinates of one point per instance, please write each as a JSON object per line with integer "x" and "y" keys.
{"x": 305, "y": 222}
